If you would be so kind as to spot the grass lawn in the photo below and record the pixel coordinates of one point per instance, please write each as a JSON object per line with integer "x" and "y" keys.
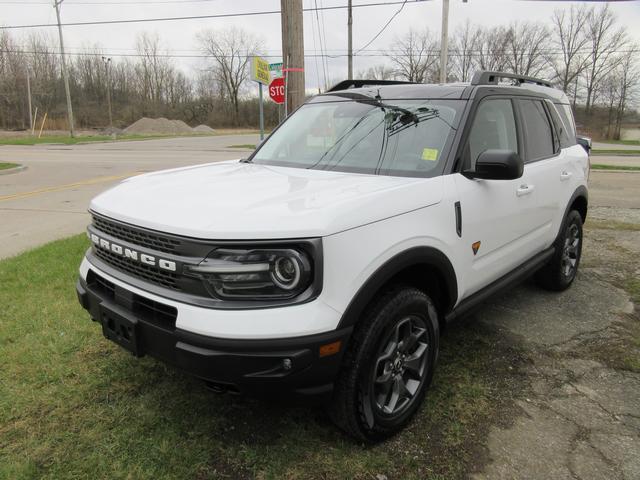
{"x": 621, "y": 142}
{"x": 74, "y": 405}
{"x": 67, "y": 140}
{"x": 244, "y": 145}
{"x": 614, "y": 152}
{"x": 630, "y": 168}
{"x": 5, "y": 166}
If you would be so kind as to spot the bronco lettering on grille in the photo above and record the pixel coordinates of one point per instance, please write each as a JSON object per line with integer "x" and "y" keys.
{"x": 133, "y": 254}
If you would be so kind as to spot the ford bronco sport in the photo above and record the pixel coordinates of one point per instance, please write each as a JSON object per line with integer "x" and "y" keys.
{"x": 327, "y": 263}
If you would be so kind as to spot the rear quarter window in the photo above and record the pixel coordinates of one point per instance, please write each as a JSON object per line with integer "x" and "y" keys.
{"x": 562, "y": 132}
{"x": 564, "y": 110}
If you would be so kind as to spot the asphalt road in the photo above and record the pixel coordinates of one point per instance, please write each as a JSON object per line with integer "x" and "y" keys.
{"x": 49, "y": 200}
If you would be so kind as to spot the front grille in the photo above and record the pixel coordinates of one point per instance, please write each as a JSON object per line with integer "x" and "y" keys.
{"x": 140, "y": 270}
{"x": 153, "y": 241}
{"x": 153, "y": 312}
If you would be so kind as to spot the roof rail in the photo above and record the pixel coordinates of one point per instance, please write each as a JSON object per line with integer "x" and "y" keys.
{"x": 346, "y": 84}
{"x": 491, "y": 78}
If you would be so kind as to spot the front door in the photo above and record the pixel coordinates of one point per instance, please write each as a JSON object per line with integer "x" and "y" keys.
{"x": 496, "y": 214}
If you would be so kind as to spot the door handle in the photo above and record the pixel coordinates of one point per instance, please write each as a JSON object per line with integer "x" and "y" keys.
{"x": 524, "y": 189}
{"x": 565, "y": 175}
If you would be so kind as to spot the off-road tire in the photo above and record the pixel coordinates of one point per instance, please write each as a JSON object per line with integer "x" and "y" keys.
{"x": 354, "y": 408}
{"x": 555, "y": 276}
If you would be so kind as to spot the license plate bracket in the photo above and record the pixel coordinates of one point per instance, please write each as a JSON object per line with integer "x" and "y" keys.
{"x": 120, "y": 329}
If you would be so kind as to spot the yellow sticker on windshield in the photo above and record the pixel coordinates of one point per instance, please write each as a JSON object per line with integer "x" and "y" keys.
{"x": 430, "y": 154}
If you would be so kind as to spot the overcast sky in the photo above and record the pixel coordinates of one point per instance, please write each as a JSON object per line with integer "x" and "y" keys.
{"x": 179, "y": 36}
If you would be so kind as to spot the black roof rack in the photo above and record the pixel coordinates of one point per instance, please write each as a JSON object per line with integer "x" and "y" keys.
{"x": 491, "y": 78}
{"x": 347, "y": 84}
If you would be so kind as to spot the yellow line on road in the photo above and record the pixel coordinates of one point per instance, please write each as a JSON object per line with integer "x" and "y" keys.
{"x": 58, "y": 188}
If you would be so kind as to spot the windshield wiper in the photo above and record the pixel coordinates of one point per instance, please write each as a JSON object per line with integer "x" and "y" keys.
{"x": 399, "y": 123}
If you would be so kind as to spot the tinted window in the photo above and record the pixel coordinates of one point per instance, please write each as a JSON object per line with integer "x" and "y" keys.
{"x": 494, "y": 127}
{"x": 537, "y": 130}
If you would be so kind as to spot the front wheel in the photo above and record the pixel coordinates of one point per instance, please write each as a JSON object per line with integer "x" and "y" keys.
{"x": 388, "y": 366}
{"x": 561, "y": 271}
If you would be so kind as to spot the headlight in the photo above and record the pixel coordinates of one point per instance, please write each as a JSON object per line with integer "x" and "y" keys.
{"x": 255, "y": 273}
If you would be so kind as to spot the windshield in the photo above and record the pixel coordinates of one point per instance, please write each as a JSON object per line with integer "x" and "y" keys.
{"x": 365, "y": 135}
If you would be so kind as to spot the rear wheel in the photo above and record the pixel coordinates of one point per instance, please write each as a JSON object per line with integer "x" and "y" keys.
{"x": 388, "y": 367}
{"x": 560, "y": 272}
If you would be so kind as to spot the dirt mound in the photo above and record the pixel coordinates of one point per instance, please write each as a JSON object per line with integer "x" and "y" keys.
{"x": 203, "y": 129}
{"x": 151, "y": 126}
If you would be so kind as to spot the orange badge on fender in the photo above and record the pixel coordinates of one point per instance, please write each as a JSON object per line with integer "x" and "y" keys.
{"x": 475, "y": 246}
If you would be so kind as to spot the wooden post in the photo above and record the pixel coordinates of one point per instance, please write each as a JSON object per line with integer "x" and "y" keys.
{"x": 293, "y": 51}
{"x": 42, "y": 126}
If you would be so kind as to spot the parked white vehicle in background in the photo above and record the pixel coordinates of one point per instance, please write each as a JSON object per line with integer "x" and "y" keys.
{"x": 326, "y": 264}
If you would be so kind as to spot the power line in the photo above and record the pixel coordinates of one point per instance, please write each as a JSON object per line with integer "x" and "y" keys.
{"x": 198, "y": 17}
{"x": 315, "y": 46}
{"x": 384, "y": 27}
{"x": 322, "y": 48}
{"x": 434, "y": 52}
{"x": 324, "y": 38}
{"x": 151, "y": 2}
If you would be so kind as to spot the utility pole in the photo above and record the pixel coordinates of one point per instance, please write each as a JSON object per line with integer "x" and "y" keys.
{"x": 29, "y": 99}
{"x": 350, "y": 40}
{"x": 293, "y": 53}
{"x": 107, "y": 62}
{"x": 65, "y": 73}
{"x": 444, "y": 41}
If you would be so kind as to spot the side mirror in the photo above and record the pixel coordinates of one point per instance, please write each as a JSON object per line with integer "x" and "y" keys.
{"x": 584, "y": 142}
{"x": 497, "y": 165}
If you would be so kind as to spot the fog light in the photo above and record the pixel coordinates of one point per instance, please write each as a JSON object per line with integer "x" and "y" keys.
{"x": 286, "y": 364}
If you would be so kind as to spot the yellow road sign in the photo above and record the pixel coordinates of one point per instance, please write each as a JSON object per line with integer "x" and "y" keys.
{"x": 260, "y": 70}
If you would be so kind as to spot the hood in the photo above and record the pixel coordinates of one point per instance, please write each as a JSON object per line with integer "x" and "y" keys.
{"x": 244, "y": 201}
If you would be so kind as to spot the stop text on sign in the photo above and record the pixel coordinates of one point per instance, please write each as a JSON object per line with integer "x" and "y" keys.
{"x": 276, "y": 90}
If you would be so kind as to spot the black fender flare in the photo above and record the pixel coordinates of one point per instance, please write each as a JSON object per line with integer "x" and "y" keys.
{"x": 580, "y": 192}
{"x": 427, "y": 256}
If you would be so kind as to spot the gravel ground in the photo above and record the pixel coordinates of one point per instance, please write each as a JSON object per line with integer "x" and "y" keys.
{"x": 578, "y": 415}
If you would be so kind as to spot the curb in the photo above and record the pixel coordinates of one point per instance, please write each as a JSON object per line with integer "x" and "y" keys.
{"x": 9, "y": 171}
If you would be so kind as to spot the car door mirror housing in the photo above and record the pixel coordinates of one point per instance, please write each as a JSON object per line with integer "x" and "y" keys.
{"x": 584, "y": 142}
{"x": 497, "y": 165}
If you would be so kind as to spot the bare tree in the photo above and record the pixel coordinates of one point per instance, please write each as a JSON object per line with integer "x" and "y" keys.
{"x": 414, "y": 55}
{"x": 153, "y": 68}
{"x": 568, "y": 40}
{"x": 621, "y": 87}
{"x": 465, "y": 44}
{"x": 377, "y": 72}
{"x": 492, "y": 45}
{"x": 605, "y": 41}
{"x": 526, "y": 43}
{"x": 230, "y": 51}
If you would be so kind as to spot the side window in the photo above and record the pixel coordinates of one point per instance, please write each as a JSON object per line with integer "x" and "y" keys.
{"x": 494, "y": 127}
{"x": 537, "y": 130}
{"x": 558, "y": 125}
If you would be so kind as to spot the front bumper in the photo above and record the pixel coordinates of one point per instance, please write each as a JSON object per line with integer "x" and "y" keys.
{"x": 283, "y": 369}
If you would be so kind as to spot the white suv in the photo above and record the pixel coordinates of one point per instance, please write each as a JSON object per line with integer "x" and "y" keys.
{"x": 327, "y": 263}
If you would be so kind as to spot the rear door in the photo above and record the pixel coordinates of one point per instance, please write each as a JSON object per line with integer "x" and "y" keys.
{"x": 496, "y": 214}
{"x": 544, "y": 162}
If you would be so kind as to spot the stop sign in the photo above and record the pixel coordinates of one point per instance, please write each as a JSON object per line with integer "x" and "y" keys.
{"x": 276, "y": 90}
